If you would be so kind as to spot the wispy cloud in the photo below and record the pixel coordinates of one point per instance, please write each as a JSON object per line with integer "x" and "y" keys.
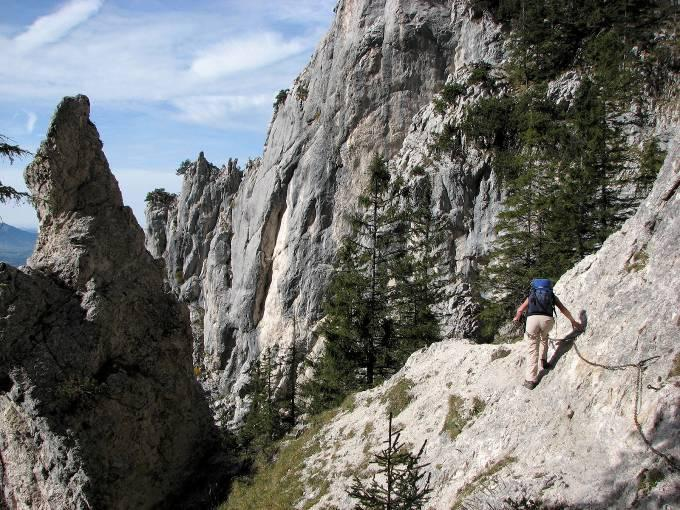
{"x": 31, "y": 119}
{"x": 54, "y": 26}
{"x": 217, "y": 110}
{"x": 163, "y": 58}
{"x": 245, "y": 53}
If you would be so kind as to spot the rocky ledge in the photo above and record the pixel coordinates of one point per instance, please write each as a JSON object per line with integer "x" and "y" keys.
{"x": 573, "y": 442}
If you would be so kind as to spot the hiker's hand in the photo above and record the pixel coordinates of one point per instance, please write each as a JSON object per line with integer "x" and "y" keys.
{"x": 516, "y": 318}
{"x": 576, "y": 325}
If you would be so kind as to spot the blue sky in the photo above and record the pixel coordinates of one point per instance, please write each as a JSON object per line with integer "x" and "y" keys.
{"x": 166, "y": 79}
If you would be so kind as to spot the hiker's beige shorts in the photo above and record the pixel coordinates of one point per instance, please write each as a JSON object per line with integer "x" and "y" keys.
{"x": 536, "y": 338}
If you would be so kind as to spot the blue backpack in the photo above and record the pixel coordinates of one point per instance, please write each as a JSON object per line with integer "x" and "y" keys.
{"x": 541, "y": 298}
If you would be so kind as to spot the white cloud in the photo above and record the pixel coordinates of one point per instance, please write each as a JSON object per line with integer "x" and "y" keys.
{"x": 217, "y": 110}
{"x": 244, "y": 54}
{"x": 54, "y": 26}
{"x": 157, "y": 57}
{"x": 217, "y": 64}
{"x": 30, "y": 121}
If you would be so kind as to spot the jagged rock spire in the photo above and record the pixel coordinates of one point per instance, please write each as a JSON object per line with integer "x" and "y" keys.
{"x": 98, "y": 399}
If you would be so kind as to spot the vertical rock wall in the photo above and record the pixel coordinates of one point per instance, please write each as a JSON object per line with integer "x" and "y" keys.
{"x": 368, "y": 89}
{"x": 379, "y": 64}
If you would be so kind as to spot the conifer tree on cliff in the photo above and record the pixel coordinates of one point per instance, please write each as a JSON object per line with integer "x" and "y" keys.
{"x": 10, "y": 151}
{"x": 262, "y": 425}
{"x": 358, "y": 328}
{"x": 420, "y": 273}
{"x": 404, "y": 484}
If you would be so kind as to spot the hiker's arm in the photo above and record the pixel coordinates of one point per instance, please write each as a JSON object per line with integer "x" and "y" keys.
{"x": 522, "y": 308}
{"x": 574, "y": 323}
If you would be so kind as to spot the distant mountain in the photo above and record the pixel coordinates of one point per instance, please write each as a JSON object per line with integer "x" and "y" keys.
{"x": 16, "y": 245}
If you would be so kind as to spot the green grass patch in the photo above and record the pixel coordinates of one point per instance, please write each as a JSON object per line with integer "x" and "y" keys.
{"x": 480, "y": 480}
{"x": 675, "y": 368}
{"x": 349, "y": 404}
{"x": 454, "y": 417}
{"x": 367, "y": 430}
{"x": 637, "y": 261}
{"x": 458, "y": 417}
{"x": 649, "y": 479}
{"x": 278, "y": 485}
{"x": 398, "y": 397}
{"x": 478, "y": 406}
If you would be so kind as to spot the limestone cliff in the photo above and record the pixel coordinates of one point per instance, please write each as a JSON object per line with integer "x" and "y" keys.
{"x": 249, "y": 251}
{"x": 572, "y": 442}
{"x": 98, "y": 402}
{"x": 262, "y": 249}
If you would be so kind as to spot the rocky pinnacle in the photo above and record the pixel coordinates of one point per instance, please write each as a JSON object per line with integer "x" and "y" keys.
{"x": 98, "y": 402}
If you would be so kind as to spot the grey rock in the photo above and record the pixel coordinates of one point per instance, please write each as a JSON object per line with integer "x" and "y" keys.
{"x": 99, "y": 404}
{"x": 572, "y": 441}
{"x": 250, "y": 253}
{"x": 270, "y": 260}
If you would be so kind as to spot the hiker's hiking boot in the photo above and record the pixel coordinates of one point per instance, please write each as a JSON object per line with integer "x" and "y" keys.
{"x": 530, "y": 385}
{"x": 547, "y": 365}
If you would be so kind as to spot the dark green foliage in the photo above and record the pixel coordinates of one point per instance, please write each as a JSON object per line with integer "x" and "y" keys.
{"x": 183, "y": 167}
{"x": 358, "y": 328}
{"x": 452, "y": 91}
{"x": 388, "y": 278}
{"x": 262, "y": 425}
{"x": 488, "y": 122}
{"x": 526, "y": 503}
{"x": 651, "y": 159}
{"x": 448, "y": 96}
{"x": 405, "y": 486}
{"x": 421, "y": 274}
{"x": 160, "y": 197}
{"x": 548, "y": 35}
{"x": 302, "y": 93}
{"x": 448, "y": 142}
{"x": 562, "y": 170}
{"x": 292, "y": 360}
{"x": 481, "y": 74}
{"x": 10, "y": 151}
{"x": 566, "y": 167}
{"x": 273, "y": 408}
{"x": 280, "y": 99}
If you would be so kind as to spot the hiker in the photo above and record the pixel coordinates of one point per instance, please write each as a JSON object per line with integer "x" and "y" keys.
{"x": 540, "y": 308}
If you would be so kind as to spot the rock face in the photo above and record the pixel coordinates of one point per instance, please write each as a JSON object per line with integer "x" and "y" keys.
{"x": 250, "y": 252}
{"x": 572, "y": 441}
{"x": 98, "y": 402}
{"x": 261, "y": 253}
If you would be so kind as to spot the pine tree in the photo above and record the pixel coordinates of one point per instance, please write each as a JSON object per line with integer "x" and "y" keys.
{"x": 291, "y": 361}
{"x": 650, "y": 160}
{"x": 525, "y": 246}
{"x": 10, "y": 151}
{"x": 604, "y": 159}
{"x": 358, "y": 328}
{"x": 262, "y": 425}
{"x": 565, "y": 167}
{"x": 405, "y": 486}
{"x": 420, "y": 274}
